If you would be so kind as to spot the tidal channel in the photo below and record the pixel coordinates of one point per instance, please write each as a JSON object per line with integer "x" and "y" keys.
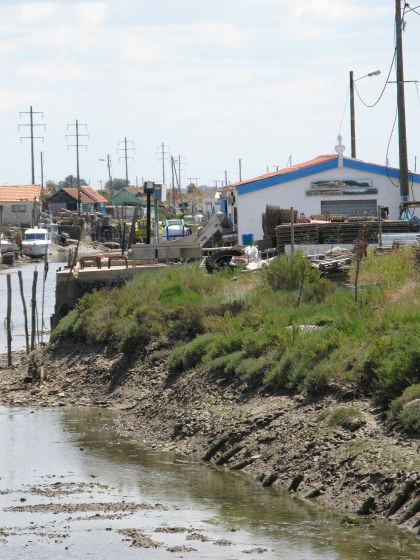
{"x": 70, "y": 487}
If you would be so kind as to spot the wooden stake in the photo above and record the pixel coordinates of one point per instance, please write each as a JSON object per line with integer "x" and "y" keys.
{"x": 33, "y": 303}
{"x": 292, "y": 230}
{"x": 357, "y": 270}
{"x": 9, "y": 320}
{"x": 25, "y": 312}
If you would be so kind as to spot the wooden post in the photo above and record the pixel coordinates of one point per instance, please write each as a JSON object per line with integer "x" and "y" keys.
{"x": 292, "y": 231}
{"x": 357, "y": 270}
{"x": 43, "y": 295}
{"x": 25, "y": 312}
{"x": 33, "y": 303}
{"x": 380, "y": 225}
{"x": 9, "y": 320}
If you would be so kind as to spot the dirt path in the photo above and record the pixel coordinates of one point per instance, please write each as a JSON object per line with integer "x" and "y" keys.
{"x": 290, "y": 442}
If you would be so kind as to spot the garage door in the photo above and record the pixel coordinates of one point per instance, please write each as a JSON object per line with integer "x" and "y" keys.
{"x": 349, "y": 207}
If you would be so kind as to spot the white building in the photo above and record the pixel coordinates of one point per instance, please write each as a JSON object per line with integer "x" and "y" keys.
{"x": 330, "y": 183}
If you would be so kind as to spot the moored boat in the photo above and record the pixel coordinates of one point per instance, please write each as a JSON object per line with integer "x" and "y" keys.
{"x": 37, "y": 242}
{"x": 9, "y": 243}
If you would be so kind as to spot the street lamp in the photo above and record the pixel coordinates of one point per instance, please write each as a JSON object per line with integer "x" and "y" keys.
{"x": 352, "y": 117}
{"x": 108, "y": 163}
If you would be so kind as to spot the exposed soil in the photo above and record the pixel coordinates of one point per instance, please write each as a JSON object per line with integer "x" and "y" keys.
{"x": 286, "y": 441}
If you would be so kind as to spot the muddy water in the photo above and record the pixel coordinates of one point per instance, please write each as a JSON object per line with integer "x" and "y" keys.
{"x": 71, "y": 488}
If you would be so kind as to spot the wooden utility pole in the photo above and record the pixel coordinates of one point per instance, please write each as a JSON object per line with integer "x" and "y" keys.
{"x": 77, "y": 146}
{"x": 352, "y": 117}
{"x": 32, "y": 125}
{"x": 402, "y": 134}
{"x": 126, "y": 157}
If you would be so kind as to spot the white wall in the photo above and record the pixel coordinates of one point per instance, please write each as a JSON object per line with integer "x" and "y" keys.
{"x": 252, "y": 205}
{"x": 17, "y": 218}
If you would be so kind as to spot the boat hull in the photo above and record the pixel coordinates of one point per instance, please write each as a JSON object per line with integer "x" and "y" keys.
{"x": 35, "y": 249}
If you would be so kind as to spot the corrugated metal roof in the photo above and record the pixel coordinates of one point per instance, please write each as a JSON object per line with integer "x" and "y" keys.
{"x": 19, "y": 193}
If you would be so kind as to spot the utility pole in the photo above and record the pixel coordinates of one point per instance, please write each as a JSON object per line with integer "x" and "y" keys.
{"x": 42, "y": 180}
{"x": 180, "y": 161}
{"x": 402, "y": 134}
{"x": 352, "y": 117}
{"x": 126, "y": 149}
{"x": 240, "y": 169}
{"x": 226, "y": 181}
{"x": 77, "y": 146}
{"x": 193, "y": 180}
{"x": 162, "y": 155}
{"x": 31, "y": 124}
{"x": 177, "y": 178}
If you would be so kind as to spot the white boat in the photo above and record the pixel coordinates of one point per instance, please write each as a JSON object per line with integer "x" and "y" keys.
{"x": 37, "y": 242}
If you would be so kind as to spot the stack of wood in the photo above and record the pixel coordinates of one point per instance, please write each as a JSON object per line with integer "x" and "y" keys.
{"x": 336, "y": 269}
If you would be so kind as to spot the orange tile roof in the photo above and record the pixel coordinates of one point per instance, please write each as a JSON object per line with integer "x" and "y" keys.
{"x": 71, "y": 191}
{"x": 19, "y": 193}
{"x": 94, "y": 194}
{"x": 315, "y": 161}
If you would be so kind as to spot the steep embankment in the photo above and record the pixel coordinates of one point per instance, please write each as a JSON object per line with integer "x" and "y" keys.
{"x": 335, "y": 449}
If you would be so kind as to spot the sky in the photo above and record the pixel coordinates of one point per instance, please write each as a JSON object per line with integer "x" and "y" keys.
{"x": 216, "y": 81}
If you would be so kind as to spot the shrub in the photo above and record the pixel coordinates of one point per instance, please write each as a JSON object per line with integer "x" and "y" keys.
{"x": 64, "y": 329}
{"x": 286, "y": 273}
{"x": 344, "y": 417}
{"x": 409, "y": 417}
{"x": 406, "y": 409}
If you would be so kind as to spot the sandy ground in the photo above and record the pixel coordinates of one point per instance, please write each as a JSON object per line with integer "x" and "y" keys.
{"x": 279, "y": 440}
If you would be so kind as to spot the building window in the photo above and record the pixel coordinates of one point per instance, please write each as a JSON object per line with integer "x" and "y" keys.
{"x": 18, "y": 208}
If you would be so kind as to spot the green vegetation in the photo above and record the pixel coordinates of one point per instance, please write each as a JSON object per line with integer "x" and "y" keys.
{"x": 344, "y": 417}
{"x": 406, "y": 409}
{"x": 250, "y": 331}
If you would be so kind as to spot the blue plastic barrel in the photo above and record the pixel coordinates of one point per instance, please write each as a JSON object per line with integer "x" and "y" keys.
{"x": 247, "y": 239}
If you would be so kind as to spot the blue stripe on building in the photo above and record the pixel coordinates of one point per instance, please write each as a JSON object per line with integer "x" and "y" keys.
{"x": 275, "y": 180}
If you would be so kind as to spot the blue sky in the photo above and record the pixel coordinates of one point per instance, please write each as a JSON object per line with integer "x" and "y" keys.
{"x": 215, "y": 80}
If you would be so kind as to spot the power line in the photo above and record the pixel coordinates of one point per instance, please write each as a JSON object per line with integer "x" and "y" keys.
{"x": 77, "y": 135}
{"x": 126, "y": 157}
{"x": 383, "y": 90}
{"x": 31, "y": 124}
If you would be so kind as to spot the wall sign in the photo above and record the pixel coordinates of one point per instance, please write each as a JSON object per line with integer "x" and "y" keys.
{"x": 341, "y": 187}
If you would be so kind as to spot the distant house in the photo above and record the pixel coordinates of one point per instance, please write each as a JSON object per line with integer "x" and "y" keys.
{"x": 19, "y": 205}
{"x": 101, "y": 201}
{"x": 127, "y": 196}
{"x": 68, "y": 199}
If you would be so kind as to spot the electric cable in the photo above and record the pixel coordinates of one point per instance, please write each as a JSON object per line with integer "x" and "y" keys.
{"x": 383, "y": 90}
{"x": 387, "y": 151}
{"x": 344, "y": 111}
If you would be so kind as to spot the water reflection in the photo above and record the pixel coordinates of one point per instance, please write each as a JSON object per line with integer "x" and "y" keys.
{"x": 240, "y": 504}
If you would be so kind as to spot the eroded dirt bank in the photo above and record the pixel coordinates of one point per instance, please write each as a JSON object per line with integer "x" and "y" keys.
{"x": 359, "y": 465}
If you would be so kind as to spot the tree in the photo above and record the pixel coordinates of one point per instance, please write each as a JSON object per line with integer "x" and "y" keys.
{"x": 52, "y": 185}
{"x": 71, "y": 181}
{"x": 117, "y": 184}
{"x": 104, "y": 193}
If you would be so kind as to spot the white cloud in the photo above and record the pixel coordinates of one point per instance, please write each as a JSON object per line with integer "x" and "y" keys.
{"x": 37, "y": 13}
